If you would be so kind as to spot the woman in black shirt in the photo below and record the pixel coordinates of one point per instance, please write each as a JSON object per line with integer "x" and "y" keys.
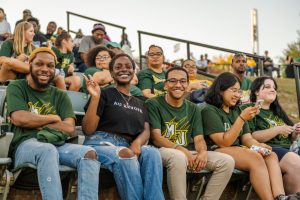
{"x": 116, "y": 125}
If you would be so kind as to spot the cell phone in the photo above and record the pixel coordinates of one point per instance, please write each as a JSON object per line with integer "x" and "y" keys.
{"x": 259, "y": 102}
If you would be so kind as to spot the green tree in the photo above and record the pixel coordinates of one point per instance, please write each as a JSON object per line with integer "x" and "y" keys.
{"x": 292, "y": 49}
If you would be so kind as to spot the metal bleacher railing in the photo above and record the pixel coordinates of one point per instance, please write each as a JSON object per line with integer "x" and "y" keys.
{"x": 91, "y": 19}
{"x": 189, "y": 43}
{"x": 297, "y": 81}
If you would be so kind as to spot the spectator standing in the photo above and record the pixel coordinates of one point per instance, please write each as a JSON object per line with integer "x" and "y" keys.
{"x": 125, "y": 40}
{"x": 269, "y": 65}
{"x": 50, "y": 31}
{"x": 202, "y": 63}
{"x": 5, "y": 31}
{"x": 26, "y": 14}
{"x": 289, "y": 70}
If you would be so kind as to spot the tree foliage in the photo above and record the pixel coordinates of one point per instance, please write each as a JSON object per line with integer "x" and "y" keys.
{"x": 292, "y": 49}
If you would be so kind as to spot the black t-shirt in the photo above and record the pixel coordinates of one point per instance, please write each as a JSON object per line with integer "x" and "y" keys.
{"x": 39, "y": 39}
{"x": 117, "y": 117}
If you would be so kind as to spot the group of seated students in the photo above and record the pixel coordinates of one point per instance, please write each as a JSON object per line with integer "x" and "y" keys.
{"x": 137, "y": 124}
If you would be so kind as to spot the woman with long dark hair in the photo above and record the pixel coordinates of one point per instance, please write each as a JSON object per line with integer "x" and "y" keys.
{"x": 116, "y": 124}
{"x": 227, "y": 129}
{"x": 273, "y": 126}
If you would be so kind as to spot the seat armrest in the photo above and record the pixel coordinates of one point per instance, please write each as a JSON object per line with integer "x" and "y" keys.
{"x": 5, "y": 140}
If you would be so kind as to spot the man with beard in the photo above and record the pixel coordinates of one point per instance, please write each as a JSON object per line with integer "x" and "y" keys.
{"x": 50, "y": 34}
{"x": 42, "y": 118}
{"x": 174, "y": 123}
{"x": 239, "y": 65}
{"x": 90, "y": 41}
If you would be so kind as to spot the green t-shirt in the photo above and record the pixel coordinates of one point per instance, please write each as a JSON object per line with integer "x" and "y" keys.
{"x": 149, "y": 79}
{"x": 266, "y": 119}
{"x": 89, "y": 71}
{"x": 245, "y": 87}
{"x": 178, "y": 125}
{"x": 7, "y": 49}
{"x": 216, "y": 120}
{"x": 64, "y": 60}
{"x": 20, "y": 96}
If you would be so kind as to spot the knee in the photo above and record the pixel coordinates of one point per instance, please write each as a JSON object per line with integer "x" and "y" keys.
{"x": 291, "y": 160}
{"x": 227, "y": 162}
{"x": 48, "y": 150}
{"x": 178, "y": 160}
{"x": 273, "y": 156}
{"x": 125, "y": 153}
{"x": 150, "y": 153}
{"x": 256, "y": 160}
{"x": 91, "y": 155}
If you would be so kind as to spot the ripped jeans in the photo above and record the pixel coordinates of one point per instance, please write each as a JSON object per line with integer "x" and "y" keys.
{"x": 48, "y": 157}
{"x": 136, "y": 178}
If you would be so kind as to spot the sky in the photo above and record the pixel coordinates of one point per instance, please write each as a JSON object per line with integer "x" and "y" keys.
{"x": 223, "y": 23}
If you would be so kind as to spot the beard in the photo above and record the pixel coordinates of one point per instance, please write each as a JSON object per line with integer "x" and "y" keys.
{"x": 240, "y": 71}
{"x": 97, "y": 41}
{"x": 37, "y": 83}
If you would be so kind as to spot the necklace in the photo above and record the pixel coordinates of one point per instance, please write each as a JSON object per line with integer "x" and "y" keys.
{"x": 124, "y": 98}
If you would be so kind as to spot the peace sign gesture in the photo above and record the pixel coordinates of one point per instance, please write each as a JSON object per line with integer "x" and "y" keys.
{"x": 92, "y": 86}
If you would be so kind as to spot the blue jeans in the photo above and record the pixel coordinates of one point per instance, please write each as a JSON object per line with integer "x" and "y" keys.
{"x": 136, "y": 178}
{"x": 48, "y": 157}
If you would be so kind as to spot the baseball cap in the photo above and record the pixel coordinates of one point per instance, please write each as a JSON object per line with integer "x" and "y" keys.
{"x": 98, "y": 26}
{"x": 114, "y": 45}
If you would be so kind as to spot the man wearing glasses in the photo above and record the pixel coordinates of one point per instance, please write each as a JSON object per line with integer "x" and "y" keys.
{"x": 239, "y": 65}
{"x": 151, "y": 79}
{"x": 174, "y": 122}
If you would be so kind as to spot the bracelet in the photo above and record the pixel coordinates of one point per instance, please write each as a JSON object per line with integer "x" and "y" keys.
{"x": 175, "y": 146}
{"x": 242, "y": 118}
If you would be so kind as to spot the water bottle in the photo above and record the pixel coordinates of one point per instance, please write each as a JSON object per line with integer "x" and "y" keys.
{"x": 294, "y": 147}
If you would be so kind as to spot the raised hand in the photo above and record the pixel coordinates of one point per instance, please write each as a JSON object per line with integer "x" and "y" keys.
{"x": 249, "y": 113}
{"x": 92, "y": 87}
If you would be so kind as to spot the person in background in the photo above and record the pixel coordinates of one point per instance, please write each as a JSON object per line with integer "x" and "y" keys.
{"x": 194, "y": 83}
{"x": 269, "y": 65}
{"x": 14, "y": 53}
{"x": 114, "y": 47}
{"x": 26, "y": 14}
{"x": 5, "y": 31}
{"x": 50, "y": 32}
{"x": 202, "y": 63}
{"x": 88, "y": 42}
{"x": 65, "y": 66}
{"x": 151, "y": 80}
{"x": 116, "y": 124}
{"x": 39, "y": 37}
{"x": 273, "y": 126}
{"x": 98, "y": 59}
{"x": 289, "y": 70}
{"x": 239, "y": 65}
{"x": 125, "y": 40}
{"x": 60, "y": 30}
{"x": 226, "y": 128}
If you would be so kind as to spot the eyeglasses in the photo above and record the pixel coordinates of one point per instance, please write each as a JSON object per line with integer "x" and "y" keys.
{"x": 102, "y": 57}
{"x": 236, "y": 91}
{"x": 155, "y": 54}
{"x": 174, "y": 81}
{"x": 188, "y": 66}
